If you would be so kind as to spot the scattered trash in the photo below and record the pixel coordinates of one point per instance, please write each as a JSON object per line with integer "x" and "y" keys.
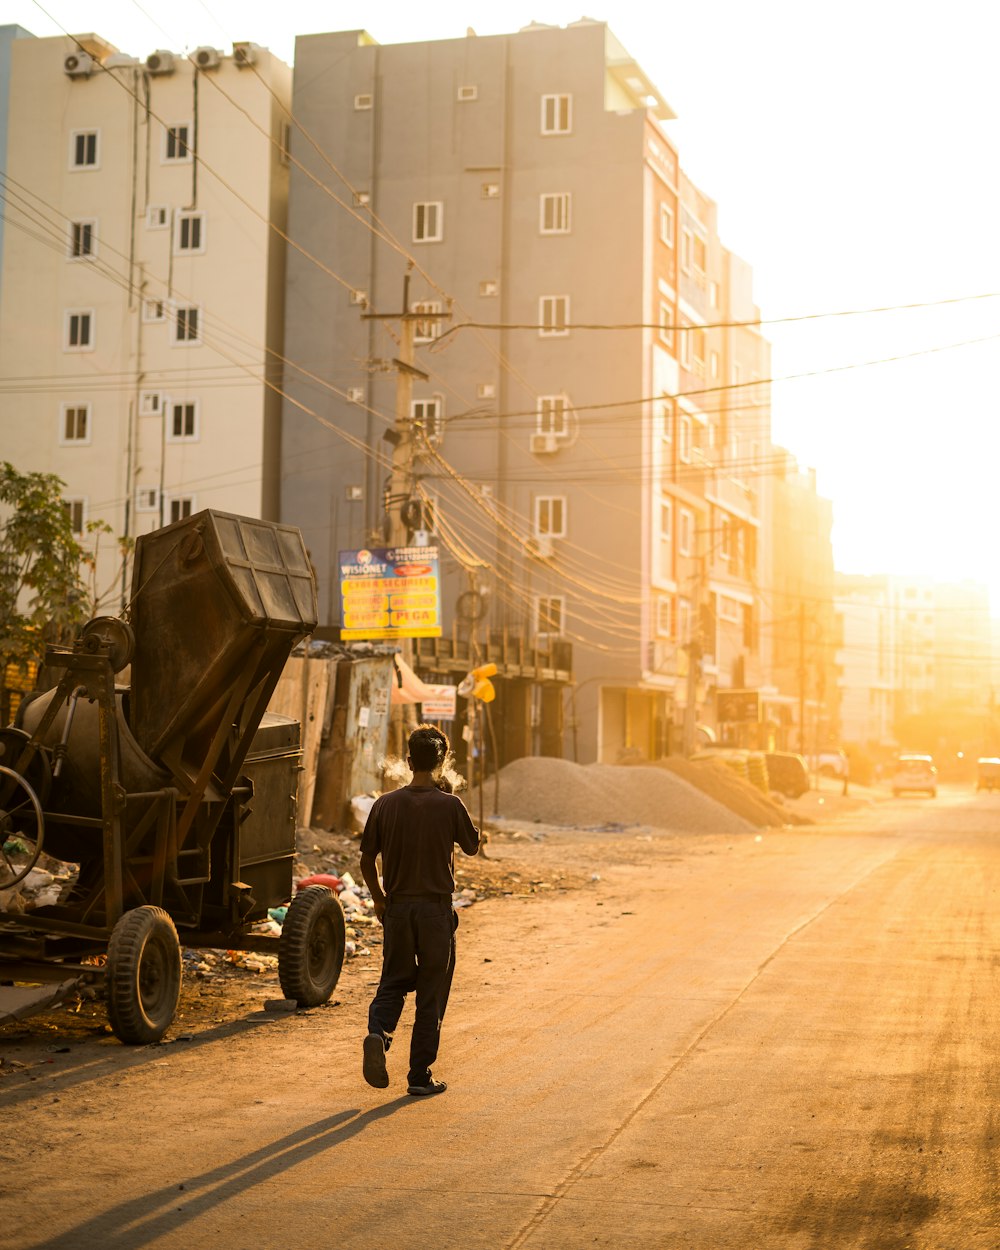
{"x": 320, "y": 878}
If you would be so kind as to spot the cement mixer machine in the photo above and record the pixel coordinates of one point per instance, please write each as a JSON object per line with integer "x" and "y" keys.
{"x": 174, "y": 791}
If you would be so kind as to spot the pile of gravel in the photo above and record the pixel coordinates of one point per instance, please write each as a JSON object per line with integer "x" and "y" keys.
{"x": 719, "y": 782}
{"x": 587, "y": 796}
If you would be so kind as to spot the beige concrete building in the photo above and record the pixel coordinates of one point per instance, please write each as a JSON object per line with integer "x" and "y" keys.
{"x": 142, "y": 281}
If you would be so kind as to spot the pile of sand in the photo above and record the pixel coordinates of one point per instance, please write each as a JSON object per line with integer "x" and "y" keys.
{"x": 557, "y": 792}
{"x": 719, "y": 782}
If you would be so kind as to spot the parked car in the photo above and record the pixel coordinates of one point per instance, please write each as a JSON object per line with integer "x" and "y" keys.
{"x": 988, "y": 774}
{"x": 829, "y": 764}
{"x": 914, "y": 772}
{"x": 787, "y": 773}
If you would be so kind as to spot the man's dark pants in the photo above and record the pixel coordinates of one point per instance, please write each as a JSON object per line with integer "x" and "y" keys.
{"x": 418, "y": 954}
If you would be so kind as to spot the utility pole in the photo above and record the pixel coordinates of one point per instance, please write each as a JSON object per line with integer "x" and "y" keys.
{"x": 403, "y": 455}
{"x": 694, "y": 650}
{"x": 802, "y": 677}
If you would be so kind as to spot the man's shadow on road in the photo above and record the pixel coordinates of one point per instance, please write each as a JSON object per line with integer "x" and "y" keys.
{"x": 141, "y": 1220}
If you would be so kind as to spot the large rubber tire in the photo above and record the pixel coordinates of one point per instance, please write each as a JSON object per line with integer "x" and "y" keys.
{"x": 143, "y": 975}
{"x": 311, "y": 950}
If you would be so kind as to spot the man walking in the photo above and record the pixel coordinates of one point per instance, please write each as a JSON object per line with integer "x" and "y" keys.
{"x": 415, "y": 830}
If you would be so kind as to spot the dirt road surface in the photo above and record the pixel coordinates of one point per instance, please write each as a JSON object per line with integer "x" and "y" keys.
{"x": 783, "y": 1040}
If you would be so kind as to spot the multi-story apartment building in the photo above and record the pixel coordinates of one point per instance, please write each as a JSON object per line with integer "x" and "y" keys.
{"x": 866, "y": 661}
{"x": 569, "y": 431}
{"x": 142, "y": 281}
{"x": 7, "y": 36}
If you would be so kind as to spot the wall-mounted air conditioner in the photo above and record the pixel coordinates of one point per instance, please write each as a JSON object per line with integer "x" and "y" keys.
{"x": 161, "y": 62}
{"x": 544, "y": 444}
{"x": 206, "y": 58}
{"x": 356, "y": 394}
{"x": 245, "y": 54}
{"x": 359, "y": 297}
{"x": 79, "y": 65}
{"x": 542, "y": 546}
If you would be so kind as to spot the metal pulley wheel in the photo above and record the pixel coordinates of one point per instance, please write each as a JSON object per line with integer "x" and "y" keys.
{"x": 114, "y": 634}
{"x": 12, "y": 813}
{"x": 38, "y": 770}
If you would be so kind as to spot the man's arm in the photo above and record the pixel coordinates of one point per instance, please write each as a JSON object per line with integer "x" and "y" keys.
{"x": 369, "y": 870}
{"x": 467, "y": 835}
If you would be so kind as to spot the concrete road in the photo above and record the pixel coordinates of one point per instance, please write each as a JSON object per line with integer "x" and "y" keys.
{"x": 789, "y": 1042}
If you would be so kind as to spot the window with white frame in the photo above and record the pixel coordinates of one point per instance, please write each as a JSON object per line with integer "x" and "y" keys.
{"x": 725, "y": 536}
{"x": 713, "y": 365}
{"x": 150, "y": 403}
{"x": 729, "y": 609}
{"x": 429, "y": 414}
{"x": 684, "y": 438}
{"x": 554, "y": 212}
{"x": 684, "y": 620}
{"x": 182, "y": 421}
{"x": 189, "y": 233}
{"x": 82, "y": 239}
{"x": 737, "y": 375}
{"x": 550, "y": 614}
{"x": 363, "y": 101}
{"x": 553, "y": 415}
{"x": 74, "y": 425}
{"x": 713, "y": 294}
{"x": 665, "y": 528}
{"x": 686, "y": 238}
{"x": 154, "y": 310}
{"x": 666, "y": 324}
{"x": 665, "y": 534}
{"x": 147, "y": 499}
{"x": 664, "y": 616}
{"x": 553, "y": 316}
{"x": 467, "y": 92}
{"x": 428, "y": 221}
{"x": 177, "y": 142}
{"x": 187, "y": 325}
{"x": 76, "y": 512}
{"x": 685, "y": 531}
{"x": 550, "y": 516}
{"x": 80, "y": 330}
{"x": 684, "y": 351}
{"x": 557, "y": 114}
{"x": 698, "y": 340}
{"x": 84, "y": 149}
{"x": 699, "y": 253}
{"x": 666, "y": 224}
{"x": 157, "y": 217}
{"x": 426, "y": 331}
{"x": 285, "y": 144}
{"x": 181, "y": 506}
{"x": 667, "y": 410}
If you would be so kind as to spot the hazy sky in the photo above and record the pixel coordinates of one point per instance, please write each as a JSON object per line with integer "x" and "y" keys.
{"x": 851, "y": 148}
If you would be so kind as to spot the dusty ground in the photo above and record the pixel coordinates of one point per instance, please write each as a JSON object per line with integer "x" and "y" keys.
{"x": 219, "y": 989}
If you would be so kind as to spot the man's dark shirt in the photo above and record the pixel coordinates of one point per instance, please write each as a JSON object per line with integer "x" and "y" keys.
{"x": 415, "y": 830}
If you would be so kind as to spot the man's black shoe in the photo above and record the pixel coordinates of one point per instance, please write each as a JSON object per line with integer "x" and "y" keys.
{"x": 374, "y": 1061}
{"x": 424, "y": 1091}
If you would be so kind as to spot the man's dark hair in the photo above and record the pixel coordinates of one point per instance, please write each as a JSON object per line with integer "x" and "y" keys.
{"x": 427, "y": 747}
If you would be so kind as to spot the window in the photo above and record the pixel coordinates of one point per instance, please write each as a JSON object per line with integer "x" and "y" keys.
{"x": 666, "y": 521}
{"x": 285, "y": 144}
{"x": 666, "y": 324}
{"x": 725, "y": 536}
{"x": 76, "y": 511}
{"x": 557, "y": 114}
{"x": 667, "y": 224}
{"x": 470, "y": 92}
{"x": 189, "y": 232}
{"x": 737, "y": 375}
{"x": 664, "y": 617}
{"x": 698, "y": 351}
{"x": 362, "y": 102}
{"x": 176, "y": 143}
{"x": 187, "y": 325}
{"x": 550, "y": 516}
{"x": 147, "y": 499}
{"x": 699, "y": 252}
{"x": 80, "y": 331}
{"x": 154, "y": 310}
{"x": 74, "y": 424}
{"x": 685, "y": 345}
{"x": 428, "y": 221}
{"x": 181, "y": 507}
{"x": 713, "y": 365}
{"x": 157, "y": 217}
{"x": 182, "y": 426}
{"x": 684, "y": 438}
{"x": 553, "y": 316}
{"x": 667, "y": 410}
{"x": 82, "y": 239}
{"x": 684, "y": 620}
{"x": 426, "y": 331}
{"x": 429, "y": 413}
{"x": 489, "y": 288}
{"x": 555, "y": 212}
{"x": 685, "y": 531}
{"x": 490, "y": 190}
{"x": 550, "y": 614}
{"x": 553, "y": 414}
{"x": 713, "y": 294}
{"x": 686, "y": 238}
{"x": 83, "y": 149}
{"x": 150, "y": 403}
{"x": 729, "y": 609}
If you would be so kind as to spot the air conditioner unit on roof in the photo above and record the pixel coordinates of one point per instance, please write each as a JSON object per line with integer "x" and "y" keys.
{"x": 245, "y": 53}
{"x": 544, "y": 444}
{"x": 542, "y": 546}
{"x": 161, "y": 62}
{"x": 79, "y": 64}
{"x": 206, "y": 58}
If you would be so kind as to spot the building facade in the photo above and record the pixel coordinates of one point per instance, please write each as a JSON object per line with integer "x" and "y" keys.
{"x": 570, "y": 434}
{"x": 142, "y": 283}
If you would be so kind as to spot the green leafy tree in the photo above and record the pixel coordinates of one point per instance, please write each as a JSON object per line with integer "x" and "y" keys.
{"x": 43, "y": 596}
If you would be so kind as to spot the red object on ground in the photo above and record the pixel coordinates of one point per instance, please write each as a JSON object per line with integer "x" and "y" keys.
{"x": 320, "y": 878}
